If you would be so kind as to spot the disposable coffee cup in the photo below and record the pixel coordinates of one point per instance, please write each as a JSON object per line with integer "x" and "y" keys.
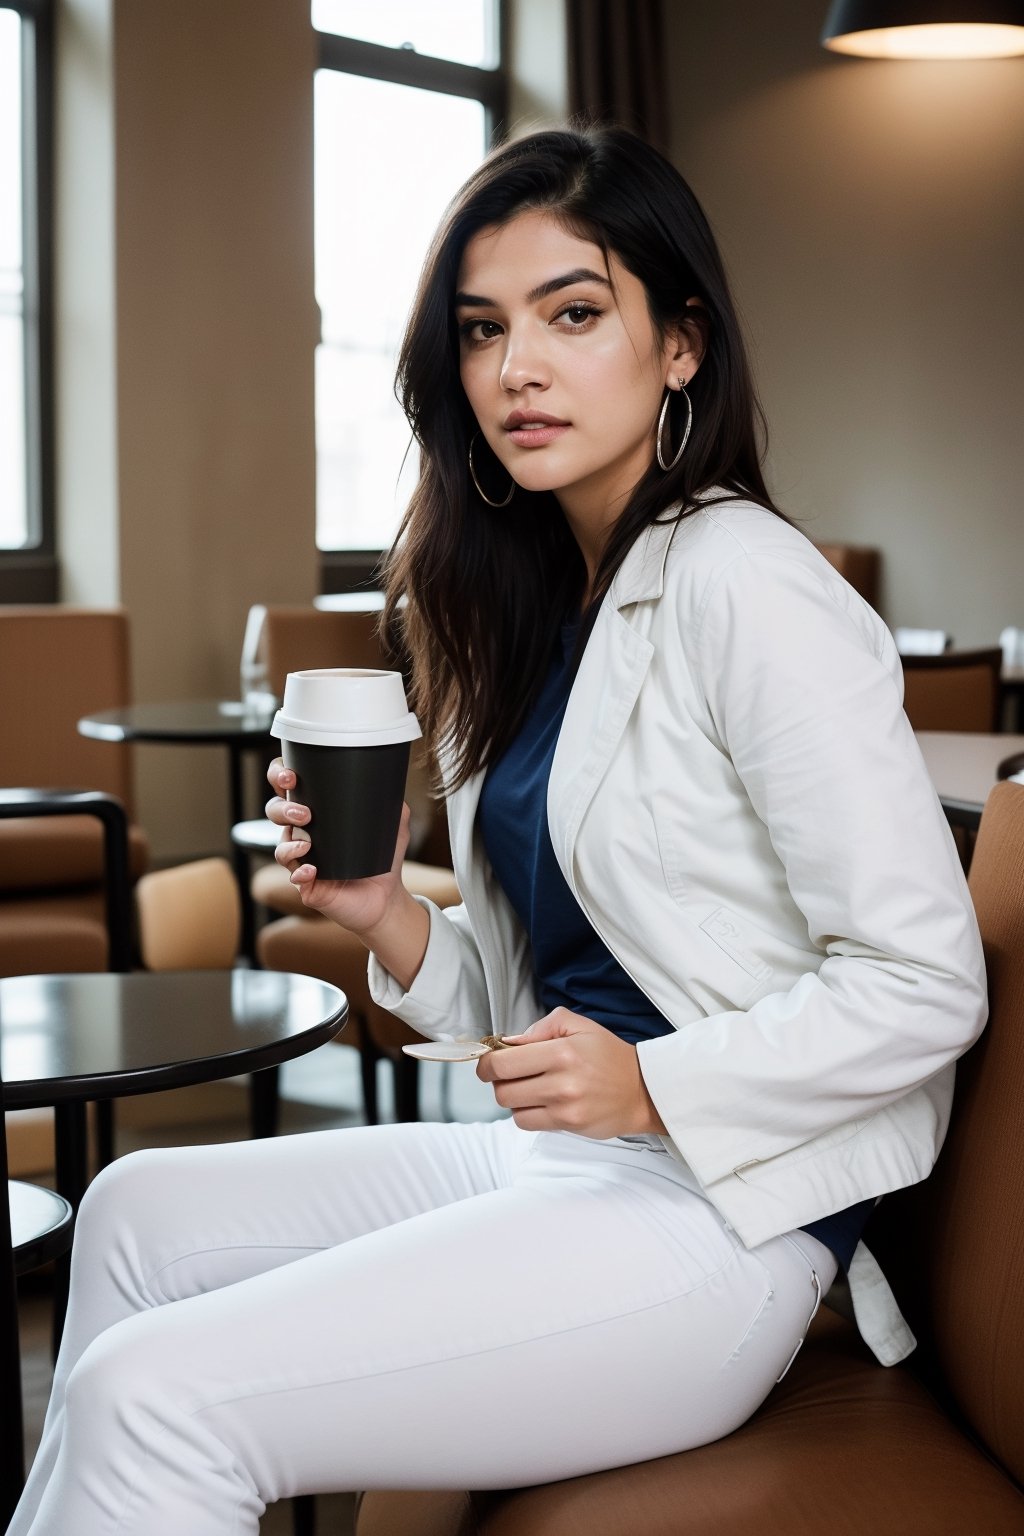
{"x": 345, "y": 733}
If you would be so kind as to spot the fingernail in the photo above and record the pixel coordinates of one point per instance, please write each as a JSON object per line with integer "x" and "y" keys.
{"x": 296, "y": 813}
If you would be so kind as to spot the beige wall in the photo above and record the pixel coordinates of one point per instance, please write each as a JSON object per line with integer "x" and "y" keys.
{"x": 872, "y": 219}
{"x": 870, "y": 214}
{"x": 187, "y": 472}
{"x": 186, "y": 334}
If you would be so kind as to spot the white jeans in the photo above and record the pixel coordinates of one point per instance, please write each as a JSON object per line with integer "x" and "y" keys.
{"x": 446, "y": 1306}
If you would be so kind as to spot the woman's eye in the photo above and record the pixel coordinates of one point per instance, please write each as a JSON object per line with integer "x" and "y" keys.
{"x": 578, "y": 314}
{"x": 479, "y": 330}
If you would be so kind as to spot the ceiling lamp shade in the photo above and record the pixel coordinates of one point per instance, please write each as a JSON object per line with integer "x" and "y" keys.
{"x": 926, "y": 29}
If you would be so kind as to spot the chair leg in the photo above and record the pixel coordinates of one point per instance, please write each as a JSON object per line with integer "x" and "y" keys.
{"x": 264, "y": 1103}
{"x": 446, "y": 1091}
{"x": 104, "y": 1132}
{"x": 368, "y": 1059}
{"x": 12, "y": 1441}
{"x": 406, "y": 1072}
{"x": 304, "y": 1515}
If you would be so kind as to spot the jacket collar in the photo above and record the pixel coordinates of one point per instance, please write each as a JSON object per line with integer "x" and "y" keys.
{"x": 642, "y": 573}
{"x": 641, "y": 576}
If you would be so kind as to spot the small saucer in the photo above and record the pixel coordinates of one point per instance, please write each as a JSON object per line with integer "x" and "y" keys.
{"x": 447, "y": 1050}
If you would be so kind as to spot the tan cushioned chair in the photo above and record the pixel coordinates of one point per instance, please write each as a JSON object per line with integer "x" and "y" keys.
{"x": 934, "y": 1447}
{"x": 860, "y": 565}
{"x": 189, "y": 917}
{"x": 58, "y": 664}
{"x": 956, "y": 691}
{"x": 314, "y": 946}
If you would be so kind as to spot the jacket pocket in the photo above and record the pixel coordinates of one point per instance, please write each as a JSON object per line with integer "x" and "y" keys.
{"x": 730, "y": 952}
{"x": 736, "y": 938}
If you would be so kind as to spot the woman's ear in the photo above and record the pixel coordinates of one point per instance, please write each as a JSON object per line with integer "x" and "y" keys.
{"x": 687, "y": 342}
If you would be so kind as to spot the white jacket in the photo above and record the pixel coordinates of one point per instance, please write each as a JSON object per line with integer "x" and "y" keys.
{"x": 739, "y": 805}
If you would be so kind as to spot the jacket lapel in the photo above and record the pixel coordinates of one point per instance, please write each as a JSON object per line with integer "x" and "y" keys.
{"x": 605, "y": 690}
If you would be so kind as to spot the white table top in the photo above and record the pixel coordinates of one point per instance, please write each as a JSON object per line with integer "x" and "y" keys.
{"x": 963, "y": 764}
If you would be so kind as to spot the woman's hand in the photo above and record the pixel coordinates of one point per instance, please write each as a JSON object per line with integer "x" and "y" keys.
{"x": 569, "y": 1074}
{"x": 359, "y": 905}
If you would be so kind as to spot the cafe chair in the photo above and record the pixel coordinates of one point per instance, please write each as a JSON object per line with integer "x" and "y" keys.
{"x": 69, "y": 940}
{"x": 290, "y": 638}
{"x": 935, "y": 1444}
{"x": 36, "y": 1226}
{"x": 303, "y": 941}
{"x": 56, "y": 664}
{"x": 858, "y": 564}
{"x": 957, "y": 691}
{"x": 189, "y": 917}
{"x": 314, "y": 946}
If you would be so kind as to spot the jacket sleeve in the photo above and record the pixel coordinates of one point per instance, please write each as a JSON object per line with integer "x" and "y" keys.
{"x": 804, "y": 693}
{"x": 450, "y": 998}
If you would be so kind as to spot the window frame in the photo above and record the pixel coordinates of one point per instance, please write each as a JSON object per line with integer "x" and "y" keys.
{"x": 352, "y": 570}
{"x": 31, "y": 575}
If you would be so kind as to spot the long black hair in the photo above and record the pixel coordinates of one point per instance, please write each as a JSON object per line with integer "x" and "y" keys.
{"x": 485, "y": 589}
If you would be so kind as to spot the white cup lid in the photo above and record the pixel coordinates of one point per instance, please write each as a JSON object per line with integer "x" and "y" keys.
{"x": 345, "y": 707}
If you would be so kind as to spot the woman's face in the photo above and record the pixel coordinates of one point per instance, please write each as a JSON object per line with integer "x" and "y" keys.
{"x": 562, "y": 366}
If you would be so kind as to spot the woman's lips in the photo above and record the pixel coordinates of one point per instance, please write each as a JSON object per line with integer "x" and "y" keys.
{"x": 536, "y": 437}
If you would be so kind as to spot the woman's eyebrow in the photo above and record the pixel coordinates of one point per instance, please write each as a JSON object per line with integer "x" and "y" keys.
{"x": 553, "y": 284}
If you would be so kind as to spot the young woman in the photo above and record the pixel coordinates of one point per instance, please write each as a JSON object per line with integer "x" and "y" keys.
{"x": 709, "y": 893}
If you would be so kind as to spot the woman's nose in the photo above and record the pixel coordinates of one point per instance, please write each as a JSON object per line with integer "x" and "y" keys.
{"x": 524, "y": 364}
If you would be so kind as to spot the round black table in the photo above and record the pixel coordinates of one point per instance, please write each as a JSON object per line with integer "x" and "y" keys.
{"x": 69, "y": 1039}
{"x": 190, "y": 722}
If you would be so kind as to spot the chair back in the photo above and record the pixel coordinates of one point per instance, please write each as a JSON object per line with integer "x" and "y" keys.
{"x": 860, "y": 565}
{"x": 189, "y": 917}
{"x": 57, "y": 664}
{"x": 958, "y": 691}
{"x": 290, "y": 639}
{"x": 293, "y": 639}
{"x": 954, "y": 1245}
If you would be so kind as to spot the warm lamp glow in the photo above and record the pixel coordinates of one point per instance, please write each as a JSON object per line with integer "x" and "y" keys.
{"x": 937, "y": 40}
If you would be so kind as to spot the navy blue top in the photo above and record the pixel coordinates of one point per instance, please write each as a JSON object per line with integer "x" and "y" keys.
{"x": 572, "y": 966}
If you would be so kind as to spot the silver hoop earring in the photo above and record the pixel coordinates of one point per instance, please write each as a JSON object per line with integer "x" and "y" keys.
{"x": 686, "y": 429}
{"x": 476, "y": 482}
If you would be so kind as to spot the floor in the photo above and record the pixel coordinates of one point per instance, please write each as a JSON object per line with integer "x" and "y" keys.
{"x": 318, "y": 1091}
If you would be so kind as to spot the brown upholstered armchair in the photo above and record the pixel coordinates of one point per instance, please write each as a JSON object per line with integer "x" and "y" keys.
{"x": 56, "y": 665}
{"x": 933, "y": 1445}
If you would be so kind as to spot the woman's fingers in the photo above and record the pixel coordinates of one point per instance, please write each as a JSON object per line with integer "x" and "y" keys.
{"x": 279, "y": 777}
{"x": 280, "y": 810}
{"x": 287, "y": 813}
{"x": 291, "y": 851}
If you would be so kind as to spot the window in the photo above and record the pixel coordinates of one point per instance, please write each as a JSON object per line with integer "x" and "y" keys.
{"x": 26, "y": 528}
{"x": 407, "y": 98}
